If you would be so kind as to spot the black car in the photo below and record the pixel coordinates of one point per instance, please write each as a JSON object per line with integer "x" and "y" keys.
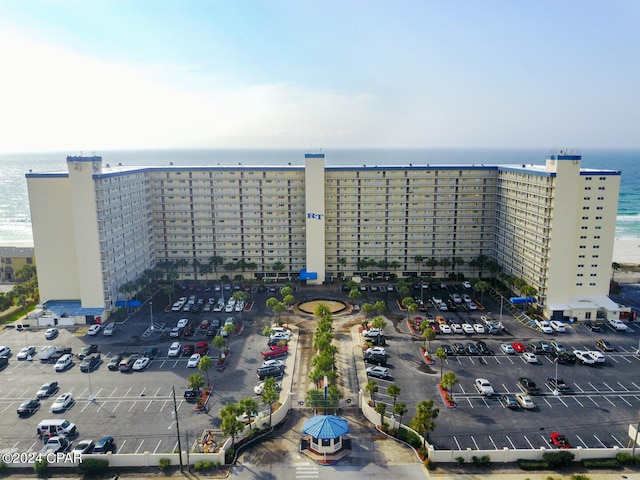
{"x": 458, "y": 349}
{"x": 594, "y": 327}
{"x": 471, "y": 349}
{"x": 528, "y": 386}
{"x": 191, "y": 394}
{"x": 29, "y": 407}
{"x": 114, "y": 362}
{"x": 90, "y": 362}
{"x": 189, "y": 330}
{"x": 212, "y": 331}
{"x": 60, "y": 351}
{"x": 483, "y": 348}
{"x": 562, "y": 357}
{"x": 447, "y": 349}
{"x": 88, "y": 350}
{"x": 150, "y": 352}
{"x": 270, "y": 371}
{"x": 558, "y": 384}
{"x": 276, "y": 341}
{"x": 377, "y": 341}
{"x": 104, "y": 445}
{"x": 375, "y": 358}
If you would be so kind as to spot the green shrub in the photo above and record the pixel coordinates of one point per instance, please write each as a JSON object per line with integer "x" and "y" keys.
{"x": 40, "y": 467}
{"x": 483, "y": 461}
{"x": 93, "y": 466}
{"x": 459, "y": 461}
{"x": 558, "y": 459}
{"x": 3, "y": 467}
{"x": 608, "y": 463}
{"x": 580, "y": 476}
{"x": 625, "y": 459}
{"x": 532, "y": 464}
{"x": 203, "y": 466}
{"x": 164, "y": 464}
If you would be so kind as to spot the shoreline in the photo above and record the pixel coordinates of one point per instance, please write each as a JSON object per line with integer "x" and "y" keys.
{"x": 625, "y": 250}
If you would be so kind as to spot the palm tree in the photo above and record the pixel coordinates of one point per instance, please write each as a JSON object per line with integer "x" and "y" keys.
{"x": 431, "y": 263}
{"x": 230, "y": 424}
{"x": 371, "y": 388}
{"x": 204, "y": 365}
{"x": 196, "y": 381}
{"x": 219, "y": 342}
{"x": 456, "y": 262}
{"x": 380, "y": 408}
{"x": 270, "y": 394}
{"x": 400, "y": 409}
{"x": 615, "y": 267}
{"x": 215, "y": 261}
{"x": 444, "y": 263}
{"x": 428, "y": 334}
{"x": 228, "y": 329}
{"x": 394, "y": 391}
{"x": 315, "y": 376}
{"x": 449, "y": 380}
{"x": 424, "y": 421}
{"x": 442, "y": 356}
{"x": 250, "y": 408}
{"x": 481, "y": 286}
{"x": 315, "y": 399}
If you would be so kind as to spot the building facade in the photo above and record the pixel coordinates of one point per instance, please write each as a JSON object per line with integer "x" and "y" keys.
{"x": 97, "y": 227}
{"x": 13, "y": 259}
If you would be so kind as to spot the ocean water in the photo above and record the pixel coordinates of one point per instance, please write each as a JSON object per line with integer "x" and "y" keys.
{"x": 15, "y": 222}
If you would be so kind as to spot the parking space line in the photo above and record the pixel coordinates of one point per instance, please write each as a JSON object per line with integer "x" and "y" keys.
{"x": 607, "y": 399}
{"x": 635, "y": 385}
{"x": 578, "y": 402}
{"x": 581, "y": 441}
{"x": 157, "y": 391}
{"x": 562, "y": 401}
{"x": 142, "y": 394}
{"x": 600, "y": 441}
{"x": 617, "y": 441}
{"x": 127, "y": 394}
{"x": 7, "y": 408}
{"x": 115, "y": 408}
{"x": 509, "y": 440}
{"x": 544, "y": 439}
{"x": 474, "y": 442}
{"x": 625, "y": 388}
{"x": 596, "y": 403}
{"x": 485, "y": 402}
{"x": 530, "y": 444}
{"x": 157, "y": 447}
{"x": 547, "y": 402}
{"x": 578, "y": 387}
{"x": 608, "y": 387}
{"x": 147, "y": 407}
{"x": 493, "y": 443}
{"x": 457, "y": 444}
{"x": 133, "y": 404}
{"x": 624, "y": 400}
{"x": 594, "y": 387}
{"x": 139, "y": 447}
{"x": 85, "y": 406}
{"x": 114, "y": 392}
{"x": 7, "y": 395}
{"x": 121, "y": 446}
{"x": 613, "y": 359}
{"x": 175, "y": 447}
{"x": 164, "y": 405}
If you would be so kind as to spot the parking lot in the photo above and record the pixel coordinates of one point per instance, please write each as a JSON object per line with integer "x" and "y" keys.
{"x": 604, "y": 399}
{"x": 136, "y": 408}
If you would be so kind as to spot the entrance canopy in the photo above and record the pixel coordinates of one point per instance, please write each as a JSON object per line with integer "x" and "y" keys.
{"x": 325, "y": 426}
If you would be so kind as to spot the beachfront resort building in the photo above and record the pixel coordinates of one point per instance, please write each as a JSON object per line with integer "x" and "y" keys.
{"x": 97, "y": 227}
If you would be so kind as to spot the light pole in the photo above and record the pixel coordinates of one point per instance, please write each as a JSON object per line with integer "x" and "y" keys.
{"x": 175, "y": 413}
{"x": 92, "y": 398}
{"x": 151, "y": 312}
{"x": 556, "y": 392}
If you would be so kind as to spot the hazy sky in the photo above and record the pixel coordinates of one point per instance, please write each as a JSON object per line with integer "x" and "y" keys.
{"x": 114, "y": 74}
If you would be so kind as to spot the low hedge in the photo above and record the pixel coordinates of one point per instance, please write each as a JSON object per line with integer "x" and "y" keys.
{"x": 606, "y": 463}
{"x": 532, "y": 464}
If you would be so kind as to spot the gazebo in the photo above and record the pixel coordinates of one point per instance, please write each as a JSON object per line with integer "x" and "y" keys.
{"x": 324, "y": 442}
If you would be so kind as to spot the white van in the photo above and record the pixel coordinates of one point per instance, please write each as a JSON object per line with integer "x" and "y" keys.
{"x": 56, "y": 427}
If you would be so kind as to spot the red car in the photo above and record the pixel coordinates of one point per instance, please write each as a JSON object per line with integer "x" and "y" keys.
{"x": 558, "y": 440}
{"x": 275, "y": 351}
{"x": 187, "y": 351}
{"x": 519, "y": 347}
{"x": 202, "y": 348}
{"x": 204, "y": 324}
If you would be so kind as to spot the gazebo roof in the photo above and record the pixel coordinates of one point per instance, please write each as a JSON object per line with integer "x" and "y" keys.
{"x": 325, "y": 426}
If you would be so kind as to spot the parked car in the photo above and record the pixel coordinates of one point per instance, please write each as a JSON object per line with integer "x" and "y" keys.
{"x": 202, "y": 348}
{"x": 478, "y": 328}
{"x": 47, "y": 390}
{"x": 90, "y": 362}
{"x": 375, "y": 358}
{"x": 26, "y": 352}
{"x": 506, "y": 348}
{"x": 191, "y": 395}
{"x": 150, "y": 352}
{"x": 59, "y": 352}
{"x": 273, "y": 371}
{"x": 182, "y": 322}
{"x": 126, "y": 365}
{"x": 534, "y": 347}
{"x": 194, "y": 360}
{"x": 94, "y": 330}
{"x": 563, "y": 357}
{"x": 175, "y": 332}
{"x": 140, "y": 364}
{"x": 558, "y": 440}
{"x": 273, "y": 362}
{"x": 87, "y": 350}
{"x": 528, "y": 386}
{"x": 583, "y": 357}
{"x": 458, "y": 349}
{"x": 62, "y": 403}
{"x": 105, "y": 445}
{"x": 525, "y": 401}
{"x": 558, "y": 384}
{"x": 379, "y": 372}
{"x": 376, "y": 350}
{"x": 471, "y": 349}
{"x": 258, "y": 389}
{"x": 174, "y": 350}
{"x": 519, "y": 347}
{"x": 483, "y": 348}
{"x": 604, "y": 345}
{"x": 109, "y": 329}
{"x": 597, "y": 356}
{"x": 594, "y": 327}
{"x": 617, "y": 324}
{"x": 29, "y": 407}
{"x": 188, "y": 350}
{"x": 467, "y": 329}
{"x": 544, "y": 326}
{"x": 84, "y": 446}
{"x": 483, "y": 386}
{"x": 114, "y": 363}
{"x": 466, "y": 285}
{"x": 189, "y": 330}
{"x": 63, "y": 363}
{"x": 275, "y": 351}
{"x": 557, "y": 347}
{"x": 51, "y": 333}
{"x": 510, "y": 401}
{"x": 557, "y": 326}
{"x": 204, "y": 324}
{"x": 530, "y": 357}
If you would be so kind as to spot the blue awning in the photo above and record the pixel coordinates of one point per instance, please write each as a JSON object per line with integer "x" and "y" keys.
{"x": 325, "y": 426}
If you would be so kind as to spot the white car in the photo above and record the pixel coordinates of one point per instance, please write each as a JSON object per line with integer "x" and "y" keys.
{"x": 372, "y": 333}
{"x": 506, "y": 348}
{"x": 141, "y": 364}
{"x": 466, "y": 298}
{"x": 175, "y": 349}
{"x": 279, "y": 336}
{"x": 194, "y": 360}
{"x": 62, "y": 403}
{"x": 26, "y": 352}
{"x": 530, "y": 357}
{"x": 446, "y": 329}
{"x": 376, "y": 350}
{"x": 94, "y": 330}
{"x": 466, "y": 284}
{"x": 456, "y": 298}
{"x": 478, "y": 328}
{"x": 457, "y": 328}
{"x": 51, "y": 333}
{"x": 597, "y": 356}
{"x": 471, "y": 306}
{"x": 525, "y": 401}
{"x": 617, "y": 324}
{"x": 483, "y": 386}
{"x": 109, "y": 329}
{"x": 63, "y": 363}
{"x": 183, "y": 322}
{"x": 583, "y": 357}
{"x": 544, "y": 326}
{"x": 466, "y": 328}
{"x": 258, "y": 389}
{"x": 380, "y": 372}
{"x": 273, "y": 363}
{"x": 557, "y": 326}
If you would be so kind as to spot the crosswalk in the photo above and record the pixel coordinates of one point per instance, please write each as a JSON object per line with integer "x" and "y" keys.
{"x": 306, "y": 470}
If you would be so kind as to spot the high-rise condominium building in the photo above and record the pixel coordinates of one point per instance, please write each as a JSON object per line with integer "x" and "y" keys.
{"x": 97, "y": 227}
